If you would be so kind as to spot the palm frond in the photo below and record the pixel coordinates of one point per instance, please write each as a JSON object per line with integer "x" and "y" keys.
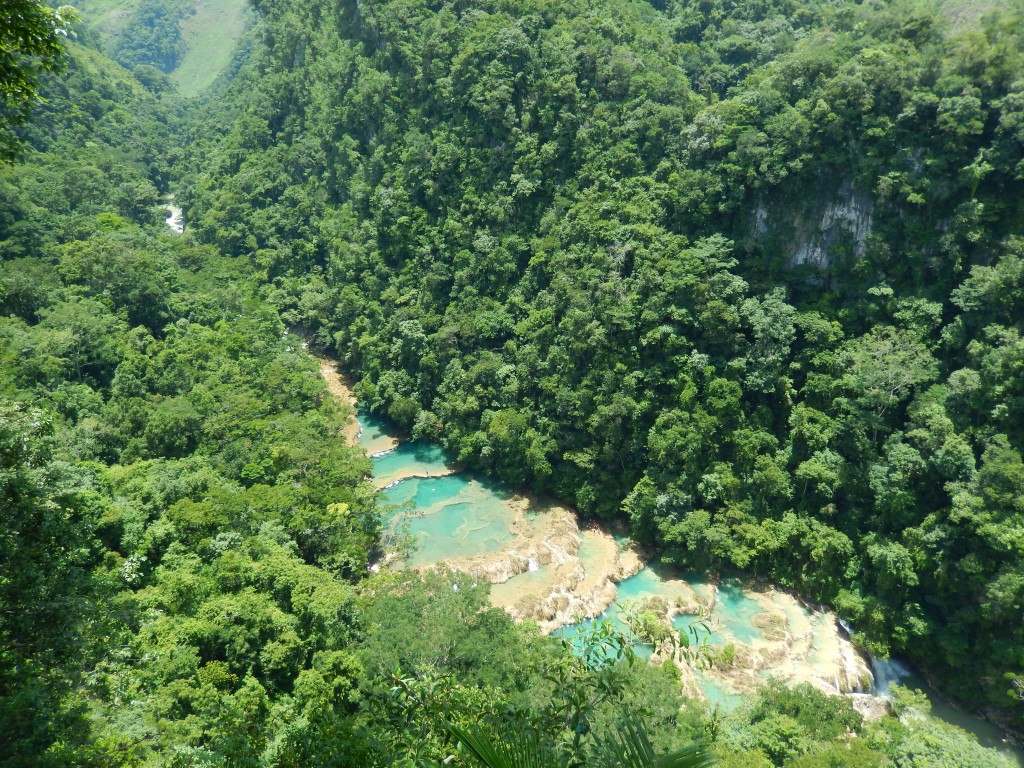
{"x": 628, "y": 746}
{"x": 522, "y": 749}
{"x": 690, "y": 756}
{"x": 625, "y": 746}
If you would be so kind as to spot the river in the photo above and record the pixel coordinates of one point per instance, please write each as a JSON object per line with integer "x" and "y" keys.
{"x": 173, "y": 220}
{"x": 543, "y": 567}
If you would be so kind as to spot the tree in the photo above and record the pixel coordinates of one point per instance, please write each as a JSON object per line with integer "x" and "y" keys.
{"x": 885, "y": 365}
{"x": 932, "y": 743}
{"x": 30, "y": 42}
{"x": 46, "y": 548}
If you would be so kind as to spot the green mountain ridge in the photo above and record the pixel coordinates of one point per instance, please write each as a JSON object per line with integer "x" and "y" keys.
{"x": 741, "y": 271}
{"x": 192, "y": 41}
{"x": 562, "y": 240}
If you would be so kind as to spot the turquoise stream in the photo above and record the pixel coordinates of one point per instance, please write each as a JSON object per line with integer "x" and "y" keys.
{"x": 449, "y": 515}
{"x": 374, "y": 434}
{"x": 457, "y": 515}
{"x": 653, "y": 581}
{"x": 733, "y": 617}
{"x": 413, "y": 459}
{"x": 452, "y": 516}
{"x": 717, "y": 694}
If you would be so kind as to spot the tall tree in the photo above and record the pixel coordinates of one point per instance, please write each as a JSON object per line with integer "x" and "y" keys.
{"x": 30, "y": 42}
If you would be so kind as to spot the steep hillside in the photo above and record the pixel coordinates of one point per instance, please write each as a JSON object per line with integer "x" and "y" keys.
{"x": 746, "y": 273}
{"x": 509, "y": 217}
{"x": 190, "y": 40}
{"x": 185, "y": 534}
{"x": 209, "y": 36}
{"x": 154, "y": 421}
{"x": 967, "y": 14}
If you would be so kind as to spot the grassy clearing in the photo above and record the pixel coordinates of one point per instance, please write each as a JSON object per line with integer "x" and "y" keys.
{"x": 210, "y": 34}
{"x": 105, "y": 18}
{"x": 965, "y": 14}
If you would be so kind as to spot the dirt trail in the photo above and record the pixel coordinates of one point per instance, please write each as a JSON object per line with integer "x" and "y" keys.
{"x": 341, "y": 387}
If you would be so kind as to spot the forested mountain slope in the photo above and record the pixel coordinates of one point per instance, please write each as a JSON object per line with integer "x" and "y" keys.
{"x": 192, "y": 41}
{"x": 746, "y": 272}
{"x": 185, "y": 536}
{"x": 166, "y": 458}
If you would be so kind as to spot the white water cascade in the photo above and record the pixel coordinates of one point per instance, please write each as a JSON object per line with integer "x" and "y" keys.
{"x": 174, "y": 216}
{"x": 886, "y": 672}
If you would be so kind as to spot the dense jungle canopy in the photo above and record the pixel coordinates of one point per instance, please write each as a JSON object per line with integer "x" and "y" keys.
{"x": 748, "y": 275}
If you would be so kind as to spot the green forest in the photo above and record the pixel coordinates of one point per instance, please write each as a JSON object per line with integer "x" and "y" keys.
{"x": 747, "y": 275}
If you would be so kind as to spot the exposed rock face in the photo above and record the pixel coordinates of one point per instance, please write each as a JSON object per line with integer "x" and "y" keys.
{"x": 848, "y": 217}
{"x": 872, "y": 707}
{"x": 547, "y": 536}
{"x": 385, "y": 482}
{"x": 541, "y": 577}
{"x": 794, "y": 647}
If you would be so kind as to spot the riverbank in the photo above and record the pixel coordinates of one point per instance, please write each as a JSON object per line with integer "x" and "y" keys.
{"x": 340, "y": 386}
{"x": 543, "y": 568}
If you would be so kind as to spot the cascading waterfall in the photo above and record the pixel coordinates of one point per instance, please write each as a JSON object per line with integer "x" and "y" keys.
{"x": 174, "y": 216}
{"x": 886, "y": 672}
